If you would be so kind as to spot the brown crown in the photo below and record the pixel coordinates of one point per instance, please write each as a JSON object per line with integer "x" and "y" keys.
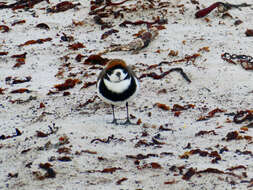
{"x": 115, "y": 62}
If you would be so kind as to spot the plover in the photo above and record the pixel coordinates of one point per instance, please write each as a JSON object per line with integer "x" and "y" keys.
{"x": 117, "y": 84}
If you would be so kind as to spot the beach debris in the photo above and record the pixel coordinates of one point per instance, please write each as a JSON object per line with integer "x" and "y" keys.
{"x": 98, "y": 20}
{"x": 20, "y": 91}
{"x": 15, "y": 80}
{"x": 39, "y": 41}
{"x": 154, "y": 141}
{"x": 149, "y": 24}
{"x": 64, "y": 159}
{"x": 211, "y": 114}
{"x": 137, "y": 44}
{"x": 177, "y": 109}
{"x": 108, "y": 140}
{"x": 170, "y": 182}
{"x": 191, "y": 172}
{"x": 50, "y": 173}
{"x": 108, "y": 33}
{"x": 238, "y": 22}
{"x": 53, "y": 130}
{"x": 162, "y": 106}
{"x": 42, "y": 105}
{"x": 234, "y": 135}
{"x": 4, "y": 28}
{"x": 23, "y": 101}
{"x": 66, "y": 38}
{"x": 42, "y": 26}
{"x": 141, "y": 156}
{"x": 249, "y": 32}
{"x": 18, "y": 22}
{"x": 62, "y": 6}
{"x": 89, "y": 101}
{"x": 95, "y": 5}
{"x": 79, "y": 57}
{"x": 246, "y": 61}
{"x": 69, "y": 83}
{"x": 242, "y": 116}
{"x": 22, "y": 4}
{"x": 188, "y": 58}
{"x": 20, "y": 59}
{"x": 2, "y": 90}
{"x": 23, "y": 55}
{"x": 202, "y": 153}
{"x": 244, "y": 152}
{"x": 18, "y": 133}
{"x": 76, "y": 46}
{"x": 163, "y": 74}
{"x": 121, "y": 180}
{"x": 202, "y": 133}
{"x": 19, "y": 62}
{"x": 105, "y": 170}
{"x": 95, "y": 60}
{"x": 152, "y": 165}
{"x": 88, "y": 84}
{"x": 222, "y": 7}
{"x": 2, "y": 53}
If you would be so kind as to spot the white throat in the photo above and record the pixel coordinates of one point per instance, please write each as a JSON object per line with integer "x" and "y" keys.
{"x": 118, "y": 87}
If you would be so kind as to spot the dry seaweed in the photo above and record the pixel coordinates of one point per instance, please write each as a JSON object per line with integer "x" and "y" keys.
{"x": 69, "y": 83}
{"x": 163, "y": 74}
{"x": 22, "y": 4}
{"x": 62, "y": 6}
{"x": 18, "y": 133}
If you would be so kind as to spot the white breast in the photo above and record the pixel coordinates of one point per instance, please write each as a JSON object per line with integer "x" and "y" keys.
{"x": 118, "y": 87}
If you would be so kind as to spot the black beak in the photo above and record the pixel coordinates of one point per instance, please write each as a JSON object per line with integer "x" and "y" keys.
{"x": 118, "y": 74}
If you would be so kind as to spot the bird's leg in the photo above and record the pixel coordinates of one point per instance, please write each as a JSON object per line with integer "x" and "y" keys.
{"x": 128, "y": 122}
{"x": 114, "y": 121}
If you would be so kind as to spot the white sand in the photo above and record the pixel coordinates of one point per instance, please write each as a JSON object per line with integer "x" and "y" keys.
{"x": 215, "y": 84}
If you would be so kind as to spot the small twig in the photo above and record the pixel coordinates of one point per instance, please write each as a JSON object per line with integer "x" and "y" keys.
{"x": 110, "y": 3}
{"x": 203, "y": 12}
{"x": 227, "y": 6}
{"x": 50, "y": 173}
{"x": 246, "y": 61}
{"x": 140, "y": 22}
{"x": 137, "y": 44}
{"x": 187, "y": 58}
{"x": 211, "y": 114}
{"x": 98, "y": 20}
{"x": 222, "y": 7}
{"x": 89, "y": 101}
{"x": 22, "y": 4}
{"x": 52, "y": 131}
{"x": 18, "y": 133}
{"x": 107, "y": 4}
{"x": 88, "y": 84}
{"x": 108, "y": 140}
{"x": 156, "y": 76}
{"x": 241, "y": 114}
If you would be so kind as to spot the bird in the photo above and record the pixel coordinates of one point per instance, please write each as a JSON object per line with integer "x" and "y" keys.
{"x": 117, "y": 84}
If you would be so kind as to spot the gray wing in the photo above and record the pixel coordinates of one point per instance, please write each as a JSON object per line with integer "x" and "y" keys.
{"x": 131, "y": 72}
{"x": 101, "y": 74}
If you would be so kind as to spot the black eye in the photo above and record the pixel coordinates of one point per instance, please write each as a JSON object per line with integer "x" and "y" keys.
{"x": 125, "y": 71}
{"x": 109, "y": 72}
{"x": 118, "y": 74}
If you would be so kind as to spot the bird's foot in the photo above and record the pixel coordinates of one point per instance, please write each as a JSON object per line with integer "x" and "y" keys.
{"x": 114, "y": 121}
{"x": 128, "y": 122}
